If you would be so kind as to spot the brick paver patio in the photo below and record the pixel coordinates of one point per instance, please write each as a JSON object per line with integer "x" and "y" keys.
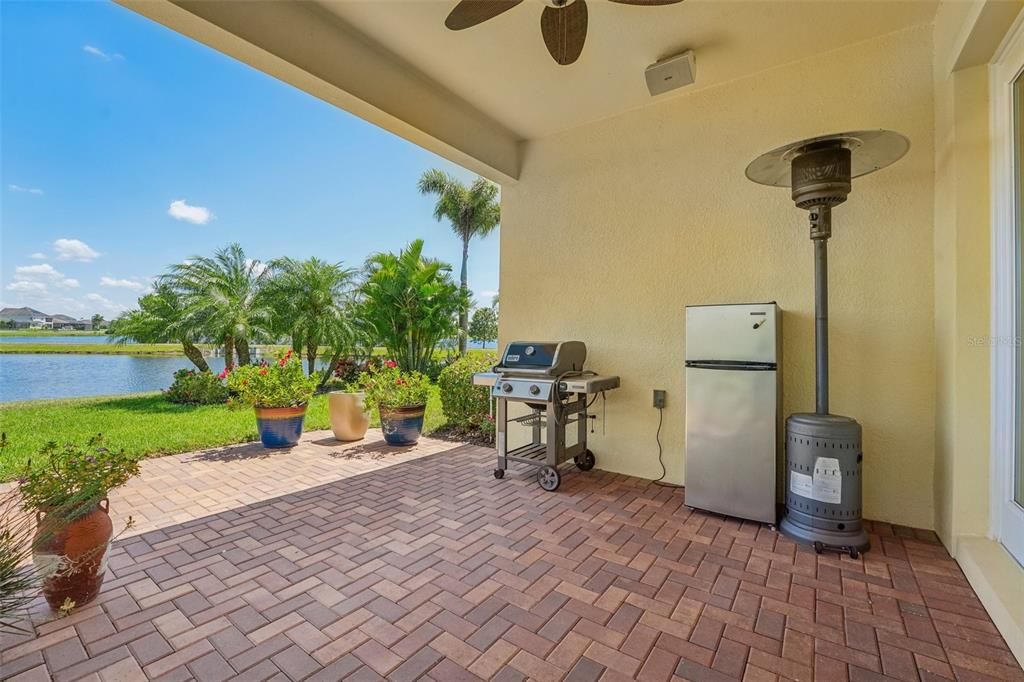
{"x": 361, "y": 561}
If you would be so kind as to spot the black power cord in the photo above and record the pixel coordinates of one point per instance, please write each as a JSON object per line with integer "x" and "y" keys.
{"x": 661, "y": 461}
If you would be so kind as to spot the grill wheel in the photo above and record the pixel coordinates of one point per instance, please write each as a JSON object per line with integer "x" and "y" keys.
{"x": 586, "y": 461}
{"x": 549, "y": 478}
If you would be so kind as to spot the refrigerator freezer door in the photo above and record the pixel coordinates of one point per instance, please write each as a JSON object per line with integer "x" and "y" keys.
{"x": 730, "y": 442}
{"x": 742, "y": 333}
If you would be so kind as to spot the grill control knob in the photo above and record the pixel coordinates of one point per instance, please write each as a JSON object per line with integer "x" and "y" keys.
{"x": 530, "y": 350}
{"x": 534, "y": 389}
{"x": 507, "y": 388}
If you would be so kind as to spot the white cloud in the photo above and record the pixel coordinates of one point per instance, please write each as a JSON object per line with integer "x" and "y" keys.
{"x": 39, "y": 255}
{"x": 74, "y": 249}
{"x": 259, "y": 267}
{"x": 97, "y": 52}
{"x": 25, "y": 190}
{"x": 132, "y": 284}
{"x": 38, "y": 277}
{"x": 58, "y": 302}
{"x": 108, "y": 306}
{"x": 182, "y": 210}
{"x": 27, "y": 286}
{"x": 42, "y": 270}
{"x": 484, "y": 298}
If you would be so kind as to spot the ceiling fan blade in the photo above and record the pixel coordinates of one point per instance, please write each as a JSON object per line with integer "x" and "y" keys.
{"x": 565, "y": 30}
{"x": 472, "y": 12}
{"x": 647, "y": 2}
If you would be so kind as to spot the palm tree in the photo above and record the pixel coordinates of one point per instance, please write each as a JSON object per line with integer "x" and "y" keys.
{"x": 160, "y": 318}
{"x": 410, "y": 304}
{"x": 313, "y": 300}
{"x": 224, "y": 296}
{"x": 472, "y": 211}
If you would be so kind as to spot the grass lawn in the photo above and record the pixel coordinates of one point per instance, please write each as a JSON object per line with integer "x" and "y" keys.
{"x": 99, "y": 348}
{"x": 143, "y": 424}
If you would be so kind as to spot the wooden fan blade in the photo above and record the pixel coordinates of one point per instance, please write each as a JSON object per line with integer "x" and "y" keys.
{"x": 565, "y": 30}
{"x": 472, "y": 12}
{"x": 647, "y": 2}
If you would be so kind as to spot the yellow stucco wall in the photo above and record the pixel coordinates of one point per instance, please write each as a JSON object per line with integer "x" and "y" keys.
{"x": 614, "y": 227}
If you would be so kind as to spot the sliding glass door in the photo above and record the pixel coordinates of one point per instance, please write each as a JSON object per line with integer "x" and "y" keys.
{"x": 1007, "y": 508}
{"x": 1017, "y": 476}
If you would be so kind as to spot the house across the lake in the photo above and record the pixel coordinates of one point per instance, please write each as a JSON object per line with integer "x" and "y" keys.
{"x": 30, "y": 318}
{"x": 66, "y": 323}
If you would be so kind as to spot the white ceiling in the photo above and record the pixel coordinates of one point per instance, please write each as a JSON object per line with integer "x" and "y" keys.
{"x": 502, "y": 68}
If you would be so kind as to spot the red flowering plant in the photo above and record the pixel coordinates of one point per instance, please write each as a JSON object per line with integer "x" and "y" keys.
{"x": 281, "y": 383}
{"x": 388, "y": 387}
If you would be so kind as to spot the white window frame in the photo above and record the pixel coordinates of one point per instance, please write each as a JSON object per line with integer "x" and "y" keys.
{"x": 1006, "y": 518}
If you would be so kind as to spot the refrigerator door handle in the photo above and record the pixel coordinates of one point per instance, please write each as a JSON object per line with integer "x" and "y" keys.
{"x": 734, "y": 365}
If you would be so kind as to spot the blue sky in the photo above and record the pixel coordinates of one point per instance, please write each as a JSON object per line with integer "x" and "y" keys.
{"x": 126, "y": 147}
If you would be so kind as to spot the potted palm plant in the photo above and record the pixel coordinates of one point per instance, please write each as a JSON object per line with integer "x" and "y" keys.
{"x": 68, "y": 493}
{"x": 400, "y": 398}
{"x": 279, "y": 393}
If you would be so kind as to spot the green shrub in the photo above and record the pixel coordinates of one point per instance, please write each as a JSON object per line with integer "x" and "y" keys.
{"x": 196, "y": 388}
{"x": 465, "y": 405}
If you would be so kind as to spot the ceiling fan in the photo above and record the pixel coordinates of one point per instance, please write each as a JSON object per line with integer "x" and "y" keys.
{"x": 563, "y": 24}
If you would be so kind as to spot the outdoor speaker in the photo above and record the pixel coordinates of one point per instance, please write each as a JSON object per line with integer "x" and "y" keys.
{"x": 671, "y": 73}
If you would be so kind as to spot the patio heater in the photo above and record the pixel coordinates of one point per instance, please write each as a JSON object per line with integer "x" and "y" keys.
{"x": 823, "y": 450}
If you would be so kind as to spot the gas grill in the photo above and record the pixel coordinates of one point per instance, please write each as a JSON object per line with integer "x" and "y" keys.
{"x": 549, "y": 379}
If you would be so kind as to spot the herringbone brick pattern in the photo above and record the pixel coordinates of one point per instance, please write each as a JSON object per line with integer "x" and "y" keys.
{"x": 359, "y": 562}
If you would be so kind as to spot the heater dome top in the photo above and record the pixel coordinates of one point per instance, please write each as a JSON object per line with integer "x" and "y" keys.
{"x": 871, "y": 150}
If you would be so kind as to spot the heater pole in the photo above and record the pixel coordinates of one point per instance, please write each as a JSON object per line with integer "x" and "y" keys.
{"x": 821, "y": 324}
{"x": 821, "y": 230}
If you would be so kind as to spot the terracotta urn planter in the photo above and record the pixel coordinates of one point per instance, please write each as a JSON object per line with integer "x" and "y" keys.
{"x": 402, "y": 425}
{"x": 348, "y": 413}
{"x": 280, "y": 427}
{"x": 72, "y": 558}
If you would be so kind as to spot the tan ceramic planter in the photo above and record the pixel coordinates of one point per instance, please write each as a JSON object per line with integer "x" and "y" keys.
{"x": 349, "y": 417}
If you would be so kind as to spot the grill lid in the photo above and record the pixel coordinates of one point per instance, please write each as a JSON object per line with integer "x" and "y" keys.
{"x": 542, "y": 358}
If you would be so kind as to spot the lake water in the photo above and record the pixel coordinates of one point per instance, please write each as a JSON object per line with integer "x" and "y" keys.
{"x": 38, "y": 376}
{"x": 43, "y": 376}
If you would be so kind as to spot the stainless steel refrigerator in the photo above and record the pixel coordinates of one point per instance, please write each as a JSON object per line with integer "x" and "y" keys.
{"x": 733, "y": 392}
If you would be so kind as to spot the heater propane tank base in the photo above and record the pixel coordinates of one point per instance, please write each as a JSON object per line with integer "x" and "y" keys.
{"x": 823, "y": 479}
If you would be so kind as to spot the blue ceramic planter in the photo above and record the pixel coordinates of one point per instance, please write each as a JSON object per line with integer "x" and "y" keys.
{"x": 280, "y": 427}
{"x": 402, "y": 425}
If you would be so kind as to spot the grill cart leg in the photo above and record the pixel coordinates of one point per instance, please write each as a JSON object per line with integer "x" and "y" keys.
{"x": 556, "y": 437}
{"x": 501, "y": 427}
{"x": 535, "y": 427}
{"x": 584, "y": 461}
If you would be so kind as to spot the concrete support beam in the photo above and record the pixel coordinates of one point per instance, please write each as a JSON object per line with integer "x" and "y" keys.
{"x": 303, "y": 44}
{"x": 982, "y": 31}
